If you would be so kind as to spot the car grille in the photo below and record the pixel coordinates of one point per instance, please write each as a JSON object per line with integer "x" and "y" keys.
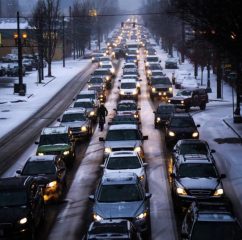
{"x": 175, "y": 101}
{"x": 201, "y": 193}
{"x": 162, "y": 89}
{"x": 53, "y": 152}
{"x": 184, "y": 135}
{"x": 75, "y": 129}
{"x": 122, "y": 149}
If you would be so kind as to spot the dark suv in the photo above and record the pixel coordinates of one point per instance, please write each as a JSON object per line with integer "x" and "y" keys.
{"x": 122, "y": 195}
{"x": 195, "y": 177}
{"x": 21, "y": 207}
{"x": 210, "y": 221}
{"x": 180, "y": 126}
{"x": 187, "y": 98}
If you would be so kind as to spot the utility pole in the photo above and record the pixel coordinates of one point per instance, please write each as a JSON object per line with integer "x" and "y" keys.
{"x": 63, "y": 40}
{"x": 19, "y": 88}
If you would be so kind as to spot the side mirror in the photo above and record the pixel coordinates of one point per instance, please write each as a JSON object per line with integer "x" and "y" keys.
{"x": 139, "y": 108}
{"x": 154, "y": 111}
{"x": 172, "y": 175}
{"x": 119, "y": 80}
{"x": 18, "y": 171}
{"x": 145, "y": 138}
{"x": 114, "y": 109}
{"x": 140, "y": 79}
{"x": 148, "y": 195}
{"x": 212, "y": 151}
{"x": 101, "y": 139}
{"x": 118, "y": 87}
{"x": 198, "y": 125}
{"x": 91, "y": 198}
{"x": 102, "y": 166}
{"x": 58, "y": 120}
{"x": 223, "y": 175}
{"x": 145, "y": 164}
{"x": 36, "y": 142}
{"x": 159, "y": 61}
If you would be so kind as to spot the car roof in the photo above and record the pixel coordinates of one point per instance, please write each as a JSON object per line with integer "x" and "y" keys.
{"x": 123, "y": 154}
{"x": 119, "y": 178}
{"x": 87, "y": 92}
{"x": 181, "y": 115}
{"x": 43, "y": 158}
{"x": 195, "y": 158}
{"x": 85, "y": 100}
{"x": 15, "y": 183}
{"x": 192, "y": 141}
{"x": 123, "y": 127}
{"x": 128, "y": 80}
{"x": 75, "y": 110}
{"x": 54, "y": 130}
{"x": 126, "y": 101}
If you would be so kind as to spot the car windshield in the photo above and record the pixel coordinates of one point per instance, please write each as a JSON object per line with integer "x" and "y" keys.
{"x": 154, "y": 67}
{"x": 160, "y": 80}
{"x": 197, "y": 170}
{"x": 196, "y": 148}
{"x": 39, "y": 167}
{"x": 152, "y": 59}
{"x": 96, "y": 80}
{"x": 12, "y": 198}
{"x": 184, "y": 93}
{"x": 115, "y": 163}
{"x": 81, "y": 96}
{"x": 182, "y": 122}
{"x": 128, "y": 85}
{"x": 52, "y": 139}
{"x": 129, "y": 66}
{"x": 119, "y": 193}
{"x": 123, "y": 135}
{"x": 127, "y": 107}
{"x": 212, "y": 230}
{"x": 101, "y": 73}
{"x": 106, "y": 66}
{"x": 73, "y": 117}
{"x": 83, "y": 104}
{"x": 165, "y": 109}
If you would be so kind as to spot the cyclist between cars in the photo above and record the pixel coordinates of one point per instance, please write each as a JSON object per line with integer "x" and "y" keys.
{"x": 102, "y": 112}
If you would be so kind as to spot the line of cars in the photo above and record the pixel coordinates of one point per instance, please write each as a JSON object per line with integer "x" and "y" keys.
{"x": 120, "y": 198}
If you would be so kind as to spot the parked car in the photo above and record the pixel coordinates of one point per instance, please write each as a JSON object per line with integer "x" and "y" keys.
{"x": 163, "y": 114}
{"x": 79, "y": 123}
{"x": 112, "y": 229}
{"x": 187, "y": 98}
{"x": 180, "y": 126}
{"x": 123, "y": 137}
{"x": 57, "y": 141}
{"x": 121, "y": 195}
{"x": 12, "y": 70}
{"x": 171, "y": 63}
{"x": 195, "y": 177}
{"x": 210, "y": 221}
{"x": 51, "y": 172}
{"x": 96, "y": 57}
{"x": 125, "y": 161}
{"x": 21, "y": 207}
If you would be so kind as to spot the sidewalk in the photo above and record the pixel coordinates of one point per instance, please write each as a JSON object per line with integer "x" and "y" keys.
{"x": 15, "y": 109}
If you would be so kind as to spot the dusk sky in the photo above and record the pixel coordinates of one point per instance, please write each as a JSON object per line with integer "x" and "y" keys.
{"x": 130, "y": 4}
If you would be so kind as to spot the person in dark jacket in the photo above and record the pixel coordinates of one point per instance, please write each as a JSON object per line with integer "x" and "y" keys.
{"x": 102, "y": 112}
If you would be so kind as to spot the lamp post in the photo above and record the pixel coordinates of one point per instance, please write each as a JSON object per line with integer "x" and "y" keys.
{"x": 63, "y": 41}
{"x": 209, "y": 90}
{"x": 19, "y": 88}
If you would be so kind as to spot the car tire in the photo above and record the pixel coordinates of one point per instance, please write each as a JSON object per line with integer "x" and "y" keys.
{"x": 203, "y": 106}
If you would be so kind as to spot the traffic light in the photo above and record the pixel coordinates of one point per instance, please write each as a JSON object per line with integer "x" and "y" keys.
{"x": 133, "y": 24}
{"x": 122, "y": 24}
{"x": 24, "y": 36}
{"x": 15, "y": 36}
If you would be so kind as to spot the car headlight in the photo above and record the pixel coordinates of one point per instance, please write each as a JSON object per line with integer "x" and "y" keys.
{"x": 137, "y": 149}
{"x": 141, "y": 178}
{"x": 107, "y": 78}
{"x": 134, "y": 92}
{"x": 170, "y": 89}
{"x": 138, "y": 85}
{"x": 52, "y": 184}
{"x": 146, "y": 64}
{"x": 181, "y": 191}
{"x": 112, "y": 71}
{"x": 40, "y": 154}
{"x": 100, "y": 64}
{"x": 153, "y": 90}
{"x": 93, "y": 58}
{"x": 136, "y": 116}
{"x": 66, "y": 153}
{"x": 107, "y": 150}
{"x": 195, "y": 134}
{"x": 96, "y": 217}
{"x": 218, "y": 192}
{"x": 182, "y": 102}
{"x": 171, "y": 134}
{"x": 158, "y": 119}
{"x": 92, "y": 113}
{"x": 23, "y": 220}
{"x": 142, "y": 215}
{"x": 169, "y": 101}
{"x": 122, "y": 92}
{"x": 148, "y": 72}
{"x": 83, "y": 128}
{"x": 89, "y": 85}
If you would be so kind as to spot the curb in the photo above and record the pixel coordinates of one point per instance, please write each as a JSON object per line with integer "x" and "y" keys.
{"x": 236, "y": 132}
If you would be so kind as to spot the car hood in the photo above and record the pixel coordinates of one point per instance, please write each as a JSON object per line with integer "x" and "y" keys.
{"x": 138, "y": 171}
{"x": 161, "y": 85}
{"x": 54, "y": 147}
{"x": 12, "y": 214}
{"x": 126, "y": 112}
{"x": 123, "y": 144}
{"x": 183, "y": 129}
{"x": 178, "y": 98}
{"x": 73, "y": 124}
{"x": 199, "y": 183}
{"x": 119, "y": 209}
